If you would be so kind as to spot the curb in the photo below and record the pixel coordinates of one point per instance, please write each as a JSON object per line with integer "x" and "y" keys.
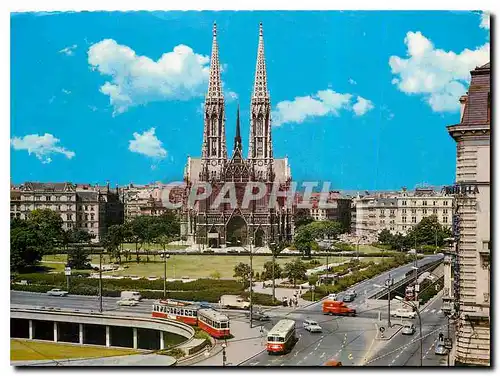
{"x": 387, "y": 338}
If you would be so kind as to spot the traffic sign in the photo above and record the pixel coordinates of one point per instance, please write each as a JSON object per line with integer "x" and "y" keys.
{"x": 382, "y": 329}
{"x": 67, "y": 270}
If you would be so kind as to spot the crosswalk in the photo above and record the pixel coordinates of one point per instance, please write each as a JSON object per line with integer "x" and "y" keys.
{"x": 432, "y": 311}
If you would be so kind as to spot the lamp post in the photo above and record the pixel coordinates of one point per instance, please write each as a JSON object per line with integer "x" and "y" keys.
{"x": 251, "y": 278}
{"x": 165, "y": 256}
{"x": 224, "y": 359}
{"x": 100, "y": 281}
{"x": 419, "y": 324}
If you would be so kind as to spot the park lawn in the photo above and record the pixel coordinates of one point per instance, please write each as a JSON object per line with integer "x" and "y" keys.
{"x": 153, "y": 246}
{"x": 196, "y": 266}
{"x": 34, "y": 350}
{"x": 368, "y": 248}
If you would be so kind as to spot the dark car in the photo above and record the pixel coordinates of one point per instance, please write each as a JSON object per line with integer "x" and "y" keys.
{"x": 348, "y": 298}
{"x": 259, "y": 316}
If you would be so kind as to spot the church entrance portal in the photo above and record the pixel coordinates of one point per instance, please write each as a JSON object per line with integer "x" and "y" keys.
{"x": 259, "y": 238}
{"x": 236, "y": 232}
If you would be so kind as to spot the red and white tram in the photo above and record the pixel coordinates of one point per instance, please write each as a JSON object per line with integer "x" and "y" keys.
{"x": 281, "y": 338}
{"x": 211, "y": 321}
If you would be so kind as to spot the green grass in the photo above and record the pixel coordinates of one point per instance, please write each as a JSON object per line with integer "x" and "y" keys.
{"x": 193, "y": 266}
{"x": 33, "y": 350}
{"x": 152, "y": 246}
{"x": 368, "y": 248}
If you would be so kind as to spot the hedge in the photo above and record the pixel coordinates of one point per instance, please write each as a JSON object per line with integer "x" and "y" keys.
{"x": 356, "y": 277}
{"x": 261, "y": 299}
{"x": 129, "y": 284}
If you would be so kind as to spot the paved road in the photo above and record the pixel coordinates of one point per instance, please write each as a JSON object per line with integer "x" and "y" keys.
{"x": 347, "y": 339}
{"x": 404, "y": 350}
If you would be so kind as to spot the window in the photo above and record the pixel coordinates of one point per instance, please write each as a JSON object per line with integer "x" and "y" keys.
{"x": 404, "y": 219}
{"x": 392, "y": 211}
{"x": 404, "y": 227}
{"x": 434, "y": 203}
{"x": 445, "y": 203}
{"x": 434, "y": 211}
{"x": 91, "y": 217}
{"x": 392, "y": 228}
{"x": 403, "y": 202}
{"x": 445, "y": 211}
{"x": 37, "y": 198}
{"x": 445, "y": 219}
{"x": 404, "y": 211}
{"x": 424, "y": 203}
{"x": 424, "y": 211}
{"x": 413, "y": 219}
{"x": 92, "y": 208}
{"x": 47, "y": 198}
{"x": 86, "y": 207}
{"x": 69, "y": 217}
{"x": 413, "y": 211}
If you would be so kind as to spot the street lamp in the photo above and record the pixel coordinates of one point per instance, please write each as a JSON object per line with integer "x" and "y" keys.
{"x": 165, "y": 256}
{"x": 419, "y": 324}
{"x": 224, "y": 359}
{"x": 388, "y": 283}
{"x": 100, "y": 281}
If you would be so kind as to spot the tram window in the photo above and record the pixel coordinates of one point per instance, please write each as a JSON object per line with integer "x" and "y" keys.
{"x": 182, "y": 312}
{"x": 216, "y": 325}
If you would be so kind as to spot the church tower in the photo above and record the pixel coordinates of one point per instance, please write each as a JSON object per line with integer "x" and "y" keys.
{"x": 214, "y": 153}
{"x": 260, "y": 150}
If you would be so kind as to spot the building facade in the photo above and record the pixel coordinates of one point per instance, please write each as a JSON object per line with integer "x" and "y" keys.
{"x": 470, "y": 254}
{"x": 91, "y": 208}
{"x": 398, "y": 211}
{"x": 141, "y": 200}
{"x": 260, "y": 223}
{"x": 332, "y": 207}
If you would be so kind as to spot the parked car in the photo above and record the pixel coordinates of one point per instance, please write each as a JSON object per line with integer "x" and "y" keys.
{"x": 57, "y": 292}
{"x": 204, "y": 305}
{"x": 127, "y": 302}
{"x": 312, "y": 326}
{"x": 408, "y": 329}
{"x": 130, "y": 295}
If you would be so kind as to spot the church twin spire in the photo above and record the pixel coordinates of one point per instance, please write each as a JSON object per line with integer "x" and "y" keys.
{"x": 214, "y": 152}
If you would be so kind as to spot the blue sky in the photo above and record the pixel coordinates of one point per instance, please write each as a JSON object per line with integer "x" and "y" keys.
{"x": 361, "y": 99}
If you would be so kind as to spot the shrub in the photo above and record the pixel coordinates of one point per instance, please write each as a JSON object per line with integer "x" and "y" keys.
{"x": 261, "y": 299}
{"x": 176, "y": 353}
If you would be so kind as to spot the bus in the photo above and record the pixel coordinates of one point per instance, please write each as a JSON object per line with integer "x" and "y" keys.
{"x": 281, "y": 338}
{"x": 213, "y": 322}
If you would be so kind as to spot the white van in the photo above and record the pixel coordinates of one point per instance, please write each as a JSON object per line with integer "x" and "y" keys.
{"x": 130, "y": 295}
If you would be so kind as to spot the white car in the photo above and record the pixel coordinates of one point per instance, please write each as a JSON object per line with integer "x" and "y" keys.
{"x": 57, "y": 292}
{"x": 127, "y": 302}
{"x": 404, "y": 313}
{"x": 312, "y": 326}
{"x": 332, "y": 296}
{"x": 408, "y": 329}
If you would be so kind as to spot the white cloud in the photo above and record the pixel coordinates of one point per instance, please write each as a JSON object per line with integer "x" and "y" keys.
{"x": 69, "y": 51}
{"x": 41, "y": 146}
{"x": 231, "y": 96}
{"x": 485, "y": 20}
{"x": 439, "y": 76}
{"x": 362, "y": 106}
{"x": 147, "y": 144}
{"x": 180, "y": 74}
{"x": 323, "y": 103}
{"x": 352, "y": 82}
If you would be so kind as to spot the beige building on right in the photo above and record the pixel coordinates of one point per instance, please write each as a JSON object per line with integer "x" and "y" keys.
{"x": 471, "y": 251}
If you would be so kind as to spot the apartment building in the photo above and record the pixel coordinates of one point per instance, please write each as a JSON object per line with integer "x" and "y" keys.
{"x": 468, "y": 299}
{"x": 143, "y": 200}
{"x": 423, "y": 202}
{"x": 328, "y": 206}
{"x": 84, "y": 206}
{"x": 398, "y": 211}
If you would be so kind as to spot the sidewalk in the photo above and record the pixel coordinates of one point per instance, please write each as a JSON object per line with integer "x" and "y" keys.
{"x": 245, "y": 344}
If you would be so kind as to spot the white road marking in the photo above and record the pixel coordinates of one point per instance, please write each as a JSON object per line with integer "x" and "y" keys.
{"x": 433, "y": 311}
{"x": 426, "y": 310}
{"x": 311, "y": 353}
{"x": 300, "y": 361}
{"x": 254, "y": 363}
{"x": 322, "y": 355}
{"x": 305, "y": 357}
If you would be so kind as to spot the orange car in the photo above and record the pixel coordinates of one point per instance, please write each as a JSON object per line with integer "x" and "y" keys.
{"x": 333, "y": 363}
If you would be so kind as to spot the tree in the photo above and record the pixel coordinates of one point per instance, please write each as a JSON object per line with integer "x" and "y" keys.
{"x": 313, "y": 279}
{"x": 215, "y": 274}
{"x": 385, "y": 237}
{"x": 24, "y": 249}
{"x": 139, "y": 232}
{"x": 242, "y": 271}
{"x": 428, "y": 232}
{"x": 398, "y": 242}
{"x": 303, "y": 240}
{"x": 295, "y": 270}
{"x": 301, "y": 217}
{"x": 47, "y": 225}
{"x": 78, "y": 256}
{"x": 112, "y": 241}
{"x": 267, "y": 273}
